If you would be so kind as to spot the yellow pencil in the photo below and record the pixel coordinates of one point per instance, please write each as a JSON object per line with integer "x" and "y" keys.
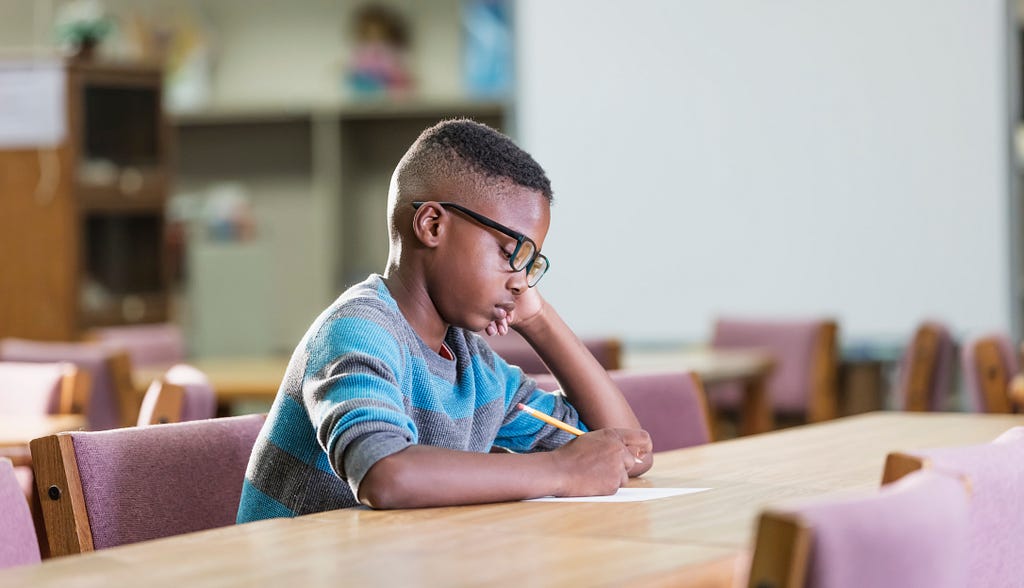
{"x": 549, "y": 419}
{"x": 557, "y": 423}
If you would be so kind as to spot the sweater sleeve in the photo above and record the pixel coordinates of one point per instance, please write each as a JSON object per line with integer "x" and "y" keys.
{"x": 352, "y": 394}
{"x": 522, "y": 432}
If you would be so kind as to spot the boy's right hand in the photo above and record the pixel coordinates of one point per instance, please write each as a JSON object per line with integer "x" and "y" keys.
{"x": 596, "y": 463}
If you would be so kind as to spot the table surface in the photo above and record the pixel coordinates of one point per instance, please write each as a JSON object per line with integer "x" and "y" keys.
{"x": 540, "y": 543}
{"x": 258, "y": 378}
{"x": 17, "y": 431}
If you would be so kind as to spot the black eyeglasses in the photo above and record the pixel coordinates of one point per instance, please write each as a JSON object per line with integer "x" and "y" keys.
{"x": 526, "y": 255}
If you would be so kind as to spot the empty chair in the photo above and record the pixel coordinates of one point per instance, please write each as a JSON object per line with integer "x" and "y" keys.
{"x": 101, "y": 489}
{"x": 803, "y": 383}
{"x": 995, "y": 472}
{"x": 159, "y": 344}
{"x": 37, "y": 389}
{"x": 669, "y": 405}
{"x": 988, "y": 363}
{"x": 183, "y": 394}
{"x": 926, "y": 369}
{"x": 18, "y": 536}
{"x": 112, "y": 398}
{"x": 517, "y": 351}
{"x": 41, "y": 388}
{"x": 909, "y": 535}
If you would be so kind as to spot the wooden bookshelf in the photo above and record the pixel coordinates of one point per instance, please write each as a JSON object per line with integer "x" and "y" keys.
{"x": 82, "y": 223}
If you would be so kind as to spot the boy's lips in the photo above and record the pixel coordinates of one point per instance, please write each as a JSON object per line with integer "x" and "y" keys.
{"x": 503, "y": 310}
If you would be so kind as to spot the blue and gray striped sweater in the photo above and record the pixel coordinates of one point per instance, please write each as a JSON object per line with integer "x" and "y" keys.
{"x": 362, "y": 385}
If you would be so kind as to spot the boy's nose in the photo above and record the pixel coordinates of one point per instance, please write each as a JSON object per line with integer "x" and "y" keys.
{"x": 517, "y": 283}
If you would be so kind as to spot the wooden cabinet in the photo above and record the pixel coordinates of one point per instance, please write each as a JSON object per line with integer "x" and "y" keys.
{"x": 82, "y": 222}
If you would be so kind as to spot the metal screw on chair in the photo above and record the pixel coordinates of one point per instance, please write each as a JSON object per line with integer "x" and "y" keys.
{"x": 53, "y": 492}
{"x": 162, "y": 421}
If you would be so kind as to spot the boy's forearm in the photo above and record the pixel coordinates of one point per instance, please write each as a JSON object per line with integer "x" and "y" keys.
{"x": 584, "y": 381}
{"x": 424, "y": 476}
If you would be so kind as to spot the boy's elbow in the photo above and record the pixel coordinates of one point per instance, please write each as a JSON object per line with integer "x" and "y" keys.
{"x": 383, "y": 487}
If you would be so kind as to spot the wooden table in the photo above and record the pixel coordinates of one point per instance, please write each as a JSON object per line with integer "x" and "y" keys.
{"x": 258, "y": 378}
{"x": 17, "y": 431}
{"x": 751, "y": 368}
{"x": 234, "y": 379}
{"x": 554, "y": 544}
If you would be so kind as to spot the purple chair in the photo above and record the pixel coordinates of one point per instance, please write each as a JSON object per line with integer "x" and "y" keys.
{"x": 912, "y": 534}
{"x": 803, "y": 382}
{"x": 926, "y": 369}
{"x": 18, "y": 544}
{"x": 988, "y": 363}
{"x": 37, "y": 388}
{"x": 517, "y": 351}
{"x": 112, "y": 397}
{"x": 669, "y": 405}
{"x": 101, "y": 489}
{"x": 148, "y": 345}
{"x": 183, "y": 394}
{"x": 995, "y": 473}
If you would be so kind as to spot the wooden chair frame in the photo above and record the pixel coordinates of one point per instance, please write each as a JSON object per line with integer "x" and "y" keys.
{"x": 823, "y": 400}
{"x": 921, "y": 369}
{"x": 127, "y": 396}
{"x": 781, "y": 553}
{"x": 899, "y": 464}
{"x": 705, "y": 406}
{"x": 993, "y": 376}
{"x": 62, "y": 501}
{"x": 169, "y": 401}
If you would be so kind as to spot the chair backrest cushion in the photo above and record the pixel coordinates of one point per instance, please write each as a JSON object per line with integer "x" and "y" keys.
{"x": 18, "y": 544}
{"x": 143, "y": 483}
{"x": 31, "y": 388}
{"x": 912, "y": 533}
{"x": 158, "y": 344}
{"x": 200, "y": 402}
{"x": 517, "y": 351}
{"x": 669, "y": 405}
{"x": 103, "y": 410}
{"x": 792, "y": 342}
{"x": 996, "y": 475}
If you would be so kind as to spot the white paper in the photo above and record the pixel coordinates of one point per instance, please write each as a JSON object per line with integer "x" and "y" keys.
{"x": 32, "y": 109}
{"x": 626, "y": 495}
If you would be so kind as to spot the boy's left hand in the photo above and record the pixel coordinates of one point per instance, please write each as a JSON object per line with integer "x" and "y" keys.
{"x": 528, "y": 305}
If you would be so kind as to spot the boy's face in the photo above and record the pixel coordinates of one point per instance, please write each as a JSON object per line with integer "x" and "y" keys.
{"x": 472, "y": 284}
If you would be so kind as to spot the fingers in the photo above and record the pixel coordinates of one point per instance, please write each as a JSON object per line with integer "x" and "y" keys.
{"x": 497, "y": 327}
{"x": 628, "y": 460}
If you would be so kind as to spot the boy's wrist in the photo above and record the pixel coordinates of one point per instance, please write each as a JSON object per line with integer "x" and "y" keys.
{"x": 537, "y": 324}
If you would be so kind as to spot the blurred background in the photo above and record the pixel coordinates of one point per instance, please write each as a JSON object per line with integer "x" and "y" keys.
{"x": 222, "y": 165}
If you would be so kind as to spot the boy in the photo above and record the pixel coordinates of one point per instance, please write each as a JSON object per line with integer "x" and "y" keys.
{"x": 392, "y": 400}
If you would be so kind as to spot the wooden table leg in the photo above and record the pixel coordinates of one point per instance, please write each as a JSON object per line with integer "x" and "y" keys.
{"x": 757, "y": 414}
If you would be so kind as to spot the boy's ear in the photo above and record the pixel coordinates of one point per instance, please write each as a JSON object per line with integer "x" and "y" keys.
{"x": 429, "y": 223}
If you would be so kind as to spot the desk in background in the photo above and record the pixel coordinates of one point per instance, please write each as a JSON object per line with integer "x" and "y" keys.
{"x": 539, "y": 543}
{"x": 242, "y": 379}
{"x": 750, "y": 367}
{"x": 17, "y": 431}
{"x": 234, "y": 379}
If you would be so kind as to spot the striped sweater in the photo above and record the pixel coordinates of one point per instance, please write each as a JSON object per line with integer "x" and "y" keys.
{"x": 362, "y": 385}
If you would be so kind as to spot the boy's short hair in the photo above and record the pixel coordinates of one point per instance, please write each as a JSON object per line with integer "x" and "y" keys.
{"x": 461, "y": 147}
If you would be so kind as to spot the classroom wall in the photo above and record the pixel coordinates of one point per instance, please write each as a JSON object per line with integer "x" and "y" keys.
{"x": 770, "y": 158}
